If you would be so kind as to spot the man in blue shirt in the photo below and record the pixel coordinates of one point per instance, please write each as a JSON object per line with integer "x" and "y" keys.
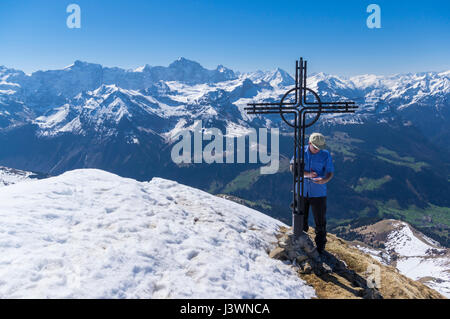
{"x": 319, "y": 171}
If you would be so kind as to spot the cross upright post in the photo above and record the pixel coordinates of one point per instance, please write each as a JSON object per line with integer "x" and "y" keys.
{"x": 295, "y": 105}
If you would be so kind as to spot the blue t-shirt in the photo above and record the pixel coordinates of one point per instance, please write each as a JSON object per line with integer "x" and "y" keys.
{"x": 322, "y": 164}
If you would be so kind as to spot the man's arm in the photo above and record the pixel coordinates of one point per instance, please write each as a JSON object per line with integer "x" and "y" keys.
{"x": 328, "y": 168}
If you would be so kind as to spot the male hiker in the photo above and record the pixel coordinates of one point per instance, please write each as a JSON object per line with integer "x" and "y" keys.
{"x": 318, "y": 172}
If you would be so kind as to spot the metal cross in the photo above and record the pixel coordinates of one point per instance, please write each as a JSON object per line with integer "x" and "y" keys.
{"x": 305, "y": 113}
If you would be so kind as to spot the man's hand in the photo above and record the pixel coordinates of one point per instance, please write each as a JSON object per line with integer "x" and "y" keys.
{"x": 323, "y": 180}
{"x": 311, "y": 174}
{"x": 320, "y": 180}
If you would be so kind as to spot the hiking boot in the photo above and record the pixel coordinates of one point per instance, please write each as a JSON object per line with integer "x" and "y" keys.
{"x": 320, "y": 243}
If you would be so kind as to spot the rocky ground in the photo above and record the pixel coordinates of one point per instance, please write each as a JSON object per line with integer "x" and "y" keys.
{"x": 344, "y": 271}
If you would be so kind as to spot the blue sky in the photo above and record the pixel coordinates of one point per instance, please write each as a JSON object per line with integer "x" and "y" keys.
{"x": 244, "y": 35}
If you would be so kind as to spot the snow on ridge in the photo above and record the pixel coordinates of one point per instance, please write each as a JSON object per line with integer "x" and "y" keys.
{"x": 405, "y": 243}
{"x": 10, "y": 176}
{"x": 379, "y": 256}
{"x": 92, "y": 234}
{"x": 52, "y": 120}
{"x": 415, "y": 256}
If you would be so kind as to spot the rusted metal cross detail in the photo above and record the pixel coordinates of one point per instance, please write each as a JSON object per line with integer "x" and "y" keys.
{"x": 300, "y": 107}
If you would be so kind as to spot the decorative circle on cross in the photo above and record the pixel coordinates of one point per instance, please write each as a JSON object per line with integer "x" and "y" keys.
{"x": 300, "y": 106}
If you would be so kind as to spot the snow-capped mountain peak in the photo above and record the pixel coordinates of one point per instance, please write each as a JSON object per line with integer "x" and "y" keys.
{"x": 78, "y": 64}
{"x": 182, "y": 63}
{"x": 276, "y": 78}
{"x": 144, "y": 68}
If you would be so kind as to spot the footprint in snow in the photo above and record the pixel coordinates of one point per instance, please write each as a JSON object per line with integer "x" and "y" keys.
{"x": 192, "y": 254}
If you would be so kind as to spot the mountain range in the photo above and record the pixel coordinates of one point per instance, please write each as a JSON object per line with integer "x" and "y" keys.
{"x": 391, "y": 156}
